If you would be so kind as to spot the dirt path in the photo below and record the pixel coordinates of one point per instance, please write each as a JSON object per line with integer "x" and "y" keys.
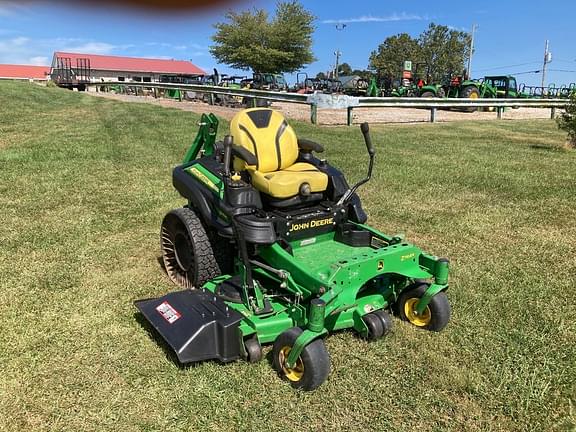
{"x": 338, "y": 117}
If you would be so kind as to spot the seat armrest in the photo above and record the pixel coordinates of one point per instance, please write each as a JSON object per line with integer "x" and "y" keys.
{"x": 244, "y": 154}
{"x": 309, "y": 146}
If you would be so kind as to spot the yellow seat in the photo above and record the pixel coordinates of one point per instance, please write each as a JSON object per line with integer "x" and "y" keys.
{"x": 266, "y": 134}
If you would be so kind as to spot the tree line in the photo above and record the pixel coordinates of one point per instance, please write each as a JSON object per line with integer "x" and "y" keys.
{"x": 253, "y": 40}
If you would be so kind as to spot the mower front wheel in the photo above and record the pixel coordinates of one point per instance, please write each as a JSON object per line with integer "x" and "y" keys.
{"x": 311, "y": 368}
{"x": 434, "y": 317}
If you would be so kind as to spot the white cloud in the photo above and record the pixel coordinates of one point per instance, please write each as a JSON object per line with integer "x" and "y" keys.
{"x": 370, "y": 18}
{"x": 24, "y": 50}
{"x": 180, "y": 47}
{"x": 38, "y": 61}
{"x": 90, "y": 48}
{"x": 464, "y": 29}
{"x": 158, "y": 57}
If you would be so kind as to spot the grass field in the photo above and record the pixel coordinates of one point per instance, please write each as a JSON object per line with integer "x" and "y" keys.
{"x": 84, "y": 183}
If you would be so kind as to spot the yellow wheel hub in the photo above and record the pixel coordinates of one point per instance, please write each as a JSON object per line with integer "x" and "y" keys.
{"x": 473, "y": 95}
{"x": 294, "y": 374}
{"x": 419, "y": 320}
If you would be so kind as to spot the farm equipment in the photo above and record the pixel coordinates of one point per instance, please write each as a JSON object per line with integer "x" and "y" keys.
{"x": 354, "y": 85}
{"x": 564, "y": 91}
{"x": 273, "y": 247}
{"x": 306, "y": 85}
{"x": 490, "y": 87}
{"x": 268, "y": 81}
{"x": 233, "y": 82}
{"x": 69, "y": 74}
{"x": 416, "y": 84}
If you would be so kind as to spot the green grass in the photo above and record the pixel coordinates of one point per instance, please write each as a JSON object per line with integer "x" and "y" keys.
{"x": 84, "y": 183}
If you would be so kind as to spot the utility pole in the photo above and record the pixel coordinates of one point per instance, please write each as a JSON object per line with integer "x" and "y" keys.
{"x": 469, "y": 69}
{"x": 338, "y": 53}
{"x": 547, "y": 59}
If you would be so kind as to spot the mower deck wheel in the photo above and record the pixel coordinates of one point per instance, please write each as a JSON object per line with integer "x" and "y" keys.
{"x": 375, "y": 326}
{"x": 387, "y": 322}
{"x": 434, "y": 317}
{"x": 253, "y": 350}
{"x": 311, "y": 368}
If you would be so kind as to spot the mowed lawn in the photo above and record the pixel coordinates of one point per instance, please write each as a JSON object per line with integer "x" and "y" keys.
{"x": 84, "y": 183}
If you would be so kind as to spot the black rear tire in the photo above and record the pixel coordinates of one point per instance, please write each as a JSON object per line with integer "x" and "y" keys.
{"x": 191, "y": 255}
{"x": 470, "y": 92}
{"x": 427, "y": 94}
{"x": 312, "y": 367}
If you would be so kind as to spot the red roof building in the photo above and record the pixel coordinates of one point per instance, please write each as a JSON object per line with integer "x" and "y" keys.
{"x": 27, "y": 72}
{"x": 75, "y": 68}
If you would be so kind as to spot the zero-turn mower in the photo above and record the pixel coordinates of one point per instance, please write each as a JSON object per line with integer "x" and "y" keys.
{"x": 273, "y": 248}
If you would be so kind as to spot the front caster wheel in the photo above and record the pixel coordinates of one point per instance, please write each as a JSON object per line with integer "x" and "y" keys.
{"x": 311, "y": 368}
{"x": 434, "y": 317}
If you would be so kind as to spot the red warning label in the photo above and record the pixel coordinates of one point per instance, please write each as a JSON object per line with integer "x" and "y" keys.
{"x": 168, "y": 312}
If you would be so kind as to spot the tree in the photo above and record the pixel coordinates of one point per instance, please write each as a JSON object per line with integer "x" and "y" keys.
{"x": 567, "y": 121}
{"x": 344, "y": 69}
{"x": 438, "y": 49}
{"x": 444, "y": 50}
{"x": 362, "y": 73}
{"x": 388, "y": 59}
{"x": 321, "y": 75}
{"x": 249, "y": 40}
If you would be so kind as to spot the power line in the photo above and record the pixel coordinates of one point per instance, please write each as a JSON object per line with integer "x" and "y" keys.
{"x": 561, "y": 70}
{"x": 527, "y": 72}
{"x": 507, "y": 66}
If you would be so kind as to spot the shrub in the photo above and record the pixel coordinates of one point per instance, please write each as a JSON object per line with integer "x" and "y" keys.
{"x": 567, "y": 121}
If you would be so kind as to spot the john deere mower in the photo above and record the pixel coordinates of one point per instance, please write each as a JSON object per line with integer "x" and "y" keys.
{"x": 272, "y": 247}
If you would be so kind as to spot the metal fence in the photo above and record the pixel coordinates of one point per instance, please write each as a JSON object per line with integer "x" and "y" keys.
{"x": 322, "y": 101}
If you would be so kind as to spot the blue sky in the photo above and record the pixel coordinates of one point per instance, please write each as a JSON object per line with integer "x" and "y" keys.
{"x": 510, "y": 38}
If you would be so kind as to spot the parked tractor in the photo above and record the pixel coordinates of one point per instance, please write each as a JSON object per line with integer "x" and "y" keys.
{"x": 417, "y": 83}
{"x": 268, "y": 81}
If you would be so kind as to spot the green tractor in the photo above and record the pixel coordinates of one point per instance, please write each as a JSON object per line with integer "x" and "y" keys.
{"x": 490, "y": 87}
{"x": 416, "y": 83}
{"x": 272, "y": 247}
{"x": 232, "y": 82}
{"x": 268, "y": 81}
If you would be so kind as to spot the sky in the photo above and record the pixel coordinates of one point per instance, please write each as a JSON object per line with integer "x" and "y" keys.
{"x": 510, "y": 37}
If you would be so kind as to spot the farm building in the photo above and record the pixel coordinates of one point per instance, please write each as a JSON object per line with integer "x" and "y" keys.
{"x": 24, "y": 72}
{"x": 75, "y": 70}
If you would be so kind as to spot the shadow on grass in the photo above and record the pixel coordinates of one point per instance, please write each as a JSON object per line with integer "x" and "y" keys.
{"x": 550, "y": 148}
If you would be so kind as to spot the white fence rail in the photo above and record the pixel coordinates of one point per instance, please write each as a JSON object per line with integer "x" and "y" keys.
{"x": 317, "y": 100}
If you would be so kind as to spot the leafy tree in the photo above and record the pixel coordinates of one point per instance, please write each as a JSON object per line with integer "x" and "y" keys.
{"x": 388, "y": 59}
{"x": 321, "y": 75}
{"x": 362, "y": 73}
{"x": 344, "y": 69}
{"x": 438, "y": 49}
{"x": 250, "y": 40}
{"x": 567, "y": 121}
{"x": 444, "y": 50}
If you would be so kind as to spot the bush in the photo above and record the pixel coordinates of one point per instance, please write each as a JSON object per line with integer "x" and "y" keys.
{"x": 567, "y": 121}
